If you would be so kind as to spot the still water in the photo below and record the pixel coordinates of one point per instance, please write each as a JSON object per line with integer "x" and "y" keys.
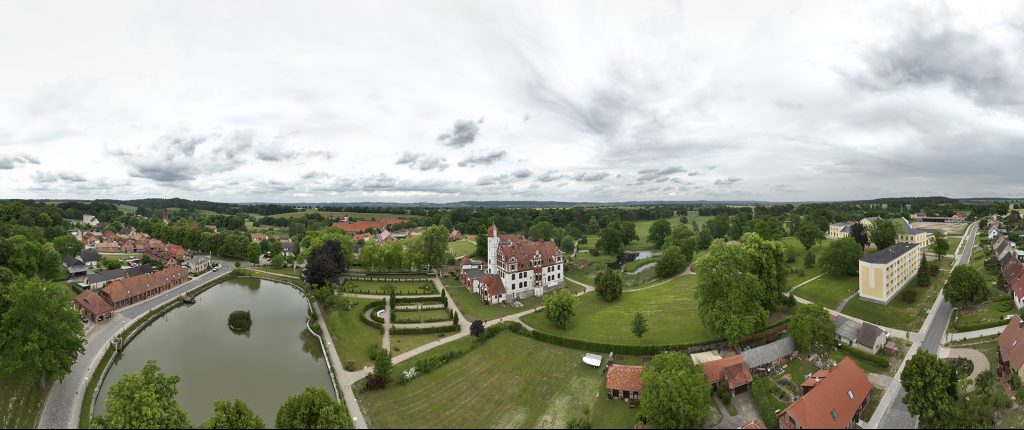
{"x": 277, "y": 358}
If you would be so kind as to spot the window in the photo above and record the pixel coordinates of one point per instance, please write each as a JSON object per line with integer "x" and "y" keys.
{"x": 835, "y": 417}
{"x": 850, "y": 393}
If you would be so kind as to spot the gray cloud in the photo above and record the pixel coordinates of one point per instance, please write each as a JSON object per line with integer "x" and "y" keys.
{"x": 8, "y": 162}
{"x": 421, "y": 161}
{"x": 48, "y": 177}
{"x": 549, "y": 176}
{"x": 658, "y": 175}
{"x": 589, "y": 176}
{"x": 727, "y": 181}
{"x": 462, "y": 133}
{"x": 484, "y": 159}
{"x": 504, "y": 178}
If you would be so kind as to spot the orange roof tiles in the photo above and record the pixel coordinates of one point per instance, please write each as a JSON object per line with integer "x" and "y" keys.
{"x": 1011, "y": 343}
{"x": 624, "y": 378}
{"x": 733, "y": 370}
{"x": 834, "y": 400}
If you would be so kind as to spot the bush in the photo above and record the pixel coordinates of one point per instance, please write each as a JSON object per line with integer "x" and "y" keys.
{"x": 908, "y": 296}
{"x": 872, "y": 358}
{"x": 426, "y": 330}
{"x": 765, "y": 394}
{"x": 240, "y": 321}
{"x": 726, "y": 396}
{"x": 978, "y": 326}
{"x": 349, "y": 366}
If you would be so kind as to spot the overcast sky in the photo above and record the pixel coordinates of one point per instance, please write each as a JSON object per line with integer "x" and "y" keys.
{"x": 449, "y": 100}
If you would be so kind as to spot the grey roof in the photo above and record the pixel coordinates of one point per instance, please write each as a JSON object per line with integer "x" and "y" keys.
{"x": 911, "y": 230}
{"x": 105, "y": 276}
{"x": 1007, "y": 259}
{"x": 846, "y": 328}
{"x": 868, "y": 334}
{"x": 1002, "y": 246}
{"x": 838, "y": 224}
{"x": 71, "y": 261}
{"x": 889, "y": 254}
{"x": 77, "y": 269}
{"x": 139, "y": 270}
{"x": 873, "y": 218}
{"x": 89, "y": 255}
{"x": 765, "y": 354}
{"x": 474, "y": 273}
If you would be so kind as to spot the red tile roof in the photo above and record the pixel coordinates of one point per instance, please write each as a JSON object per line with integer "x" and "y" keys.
{"x": 733, "y": 370}
{"x": 832, "y": 395}
{"x": 495, "y": 287}
{"x": 755, "y": 424}
{"x": 1013, "y": 271}
{"x": 624, "y": 378}
{"x": 525, "y": 252}
{"x": 92, "y": 302}
{"x": 123, "y": 289}
{"x": 1011, "y": 343}
{"x": 1018, "y": 288}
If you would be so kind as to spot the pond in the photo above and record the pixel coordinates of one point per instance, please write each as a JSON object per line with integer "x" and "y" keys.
{"x": 277, "y": 358}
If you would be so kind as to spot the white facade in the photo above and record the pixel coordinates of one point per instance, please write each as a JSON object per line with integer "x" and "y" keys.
{"x": 544, "y": 271}
{"x": 992, "y": 232}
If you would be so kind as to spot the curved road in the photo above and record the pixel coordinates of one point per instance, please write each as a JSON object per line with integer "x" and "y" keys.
{"x": 64, "y": 403}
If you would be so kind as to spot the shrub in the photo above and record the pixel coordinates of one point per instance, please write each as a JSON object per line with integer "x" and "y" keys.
{"x": 349, "y": 366}
{"x": 872, "y": 358}
{"x": 765, "y": 394}
{"x": 726, "y": 396}
{"x": 240, "y": 321}
{"x": 908, "y": 296}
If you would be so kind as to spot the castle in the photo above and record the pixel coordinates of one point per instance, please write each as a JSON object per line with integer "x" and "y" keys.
{"x": 516, "y": 268}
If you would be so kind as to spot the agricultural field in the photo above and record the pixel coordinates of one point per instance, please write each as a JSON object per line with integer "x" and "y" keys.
{"x": 20, "y": 401}
{"x": 352, "y": 338}
{"x": 670, "y": 308}
{"x": 461, "y": 247}
{"x": 537, "y": 385}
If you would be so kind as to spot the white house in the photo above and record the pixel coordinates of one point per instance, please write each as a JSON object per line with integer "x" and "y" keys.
{"x": 90, "y": 220}
{"x": 992, "y": 232}
{"x": 516, "y": 268}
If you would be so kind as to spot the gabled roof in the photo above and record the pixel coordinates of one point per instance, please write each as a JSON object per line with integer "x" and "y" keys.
{"x": 1011, "y": 343}
{"x": 732, "y": 370}
{"x": 139, "y": 270}
{"x": 93, "y": 302}
{"x": 839, "y": 395}
{"x": 89, "y": 255}
{"x": 104, "y": 276}
{"x": 846, "y": 328}
{"x": 1013, "y": 271}
{"x": 1018, "y": 288}
{"x": 70, "y": 261}
{"x": 754, "y": 425}
{"x": 1008, "y": 258}
{"x": 765, "y": 354}
{"x": 1003, "y": 244}
{"x": 624, "y": 378}
{"x": 868, "y": 334}
{"x": 910, "y": 230}
{"x": 495, "y": 287}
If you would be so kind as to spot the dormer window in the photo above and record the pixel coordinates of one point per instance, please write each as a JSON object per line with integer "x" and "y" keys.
{"x": 850, "y": 393}
{"x": 835, "y": 416}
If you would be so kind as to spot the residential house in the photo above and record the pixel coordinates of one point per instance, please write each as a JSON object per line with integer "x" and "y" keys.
{"x": 1011, "y": 346}
{"x": 75, "y": 266}
{"x": 866, "y": 337}
{"x": 198, "y": 263}
{"x": 108, "y": 247}
{"x": 93, "y": 307}
{"x": 1012, "y": 272}
{"x": 128, "y": 291}
{"x": 992, "y": 232}
{"x": 885, "y": 273}
{"x": 728, "y": 373}
{"x": 838, "y": 230}
{"x": 89, "y": 257}
{"x": 454, "y": 235}
{"x": 287, "y": 247}
{"x": 756, "y": 424}
{"x": 256, "y": 237}
{"x": 623, "y": 382}
{"x": 176, "y": 251}
{"x": 95, "y": 281}
{"x": 1017, "y": 288}
{"x": 913, "y": 235}
{"x": 835, "y": 400}
{"x": 90, "y": 220}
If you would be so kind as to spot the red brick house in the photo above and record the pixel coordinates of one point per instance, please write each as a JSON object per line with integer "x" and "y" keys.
{"x": 92, "y": 306}
{"x": 623, "y": 382}
{"x": 731, "y": 373}
{"x": 128, "y": 291}
{"x": 833, "y": 402}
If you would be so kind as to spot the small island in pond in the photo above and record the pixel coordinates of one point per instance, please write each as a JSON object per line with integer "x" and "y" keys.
{"x": 240, "y": 321}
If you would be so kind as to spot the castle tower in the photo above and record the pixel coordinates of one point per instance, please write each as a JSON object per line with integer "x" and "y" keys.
{"x": 492, "y": 250}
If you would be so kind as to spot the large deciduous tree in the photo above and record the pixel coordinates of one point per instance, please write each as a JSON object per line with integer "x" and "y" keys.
{"x": 768, "y": 259}
{"x": 325, "y": 264}
{"x": 675, "y": 392}
{"x": 144, "y": 400}
{"x": 658, "y": 232}
{"x": 609, "y": 285}
{"x": 965, "y": 284}
{"x": 671, "y": 262}
{"x": 433, "y": 246}
{"x": 840, "y": 257}
{"x": 941, "y": 245}
{"x": 67, "y": 245}
{"x": 253, "y": 251}
{"x": 883, "y": 233}
{"x": 558, "y": 308}
{"x": 808, "y": 234}
{"x": 313, "y": 409}
{"x": 859, "y": 233}
{"x": 542, "y": 231}
{"x": 232, "y": 415}
{"x": 729, "y": 296}
{"x": 611, "y": 240}
{"x": 40, "y": 335}
{"x": 811, "y": 328}
{"x": 931, "y": 390}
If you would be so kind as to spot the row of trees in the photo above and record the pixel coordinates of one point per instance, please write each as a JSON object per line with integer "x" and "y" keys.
{"x": 148, "y": 399}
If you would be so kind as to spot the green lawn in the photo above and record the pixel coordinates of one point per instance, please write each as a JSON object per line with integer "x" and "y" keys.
{"x": 593, "y": 265}
{"x": 461, "y": 247}
{"x": 474, "y": 309}
{"x": 899, "y": 314}
{"x": 670, "y": 308}
{"x": 408, "y": 342}
{"x": 988, "y": 345}
{"x": 985, "y": 312}
{"x": 381, "y": 287}
{"x": 510, "y": 381}
{"x": 121, "y": 255}
{"x": 430, "y": 315}
{"x": 20, "y": 401}
{"x": 352, "y": 338}
{"x": 828, "y": 291}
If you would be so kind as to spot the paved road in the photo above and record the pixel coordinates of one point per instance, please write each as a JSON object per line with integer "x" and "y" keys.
{"x": 64, "y": 403}
{"x": 898, "y": 416}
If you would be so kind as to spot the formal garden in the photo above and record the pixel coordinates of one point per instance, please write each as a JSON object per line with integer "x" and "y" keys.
{"x": 398, "y": 286}
{"x": 352, "y": 338}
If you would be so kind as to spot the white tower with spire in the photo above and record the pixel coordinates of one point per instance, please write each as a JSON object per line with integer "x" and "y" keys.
{"x": 492, "y": 250}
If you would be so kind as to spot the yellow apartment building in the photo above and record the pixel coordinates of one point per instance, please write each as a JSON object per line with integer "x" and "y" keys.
{"x": 885, "y": 273}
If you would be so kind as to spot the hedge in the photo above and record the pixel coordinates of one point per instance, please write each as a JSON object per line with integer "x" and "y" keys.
{"x": 618, "y": 349}
{"x": 978, "y": 326}
{"x": 873, "y": 358}
{"x": 428, "y": 299}
{"x": 424, "y": 330}
{"x": 372, "y": 323}
{"x": 764, "y": 392}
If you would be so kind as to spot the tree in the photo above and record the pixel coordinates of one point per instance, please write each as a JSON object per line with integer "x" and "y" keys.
{"x": 941, "y": 245}
{"x": 277, "y": 261}
{"x": 476, "y": 328}
{"x": 313, "y": 409}
{"x": 558, "y": 308}
{"x": 481, "y": 245}
{"x": 67, "y": 245}
{"x": 629, "y": 233}
{"x": 50, "y": 263}
{"x": 40, "y": 335}
{"x": 314, "y": 239}
{"x": 729, "y": 297}
{"x": 232, "y": 415}
{"x": 610, "y": 239}
{"x": 20, "y": 254}
{"x": 382, "y": 366}
{"x": 704, "y": 238}
{"x": 671, "y": 262}
{"x": 769, "y": 265}
{"x": 809, "y": 259}
{"x": 965, "y": 284}
{"x": 326, "y": 262}
{"x": 859, "y": 233}
{"x": 433, "y": 246}
{"x": 811, "y": 328}
{"x": 542, "y": 231}
{"x": 675, "y": 392}
{"x": 808, "y": 234}
{"x": 883, "y": 233}
{"x": 639, "y": 325}
{"x": 931, "y": 389}
{"x": 109, "y": 263}
{"x": 924, "y": 275}
{"x": 658, "y": 232}
{"x": 567, "y": 245}
{"x": 253, "y": 252}
{"x": 840, "y": 257}
{"x": 145, "y": 400}
{"x": 609, "y": 285}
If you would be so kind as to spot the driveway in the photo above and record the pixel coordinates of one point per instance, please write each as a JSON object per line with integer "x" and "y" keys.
{"x": 977, "y": 358}
{"x": 745, "y": 411}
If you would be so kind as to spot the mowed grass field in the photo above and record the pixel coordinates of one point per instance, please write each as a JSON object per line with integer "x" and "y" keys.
{"x": 352, "y": 338}
{"x": 899, "y": 314}
{"x": 20, "y": 401}
{"x": 670, "y": 308}
{"x": 828, "y": 291}
{"x": 461, "y": 247}
{"x": 473, "y": 308}
{"x": 509, "y": 382}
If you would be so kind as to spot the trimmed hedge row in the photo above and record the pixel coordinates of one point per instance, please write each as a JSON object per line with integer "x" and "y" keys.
{"x": 369, "y": 322}
{"x": 873, "y": 358}
{"x": 428, "y": 299}
{"x": 424, "y": 330}
{"x": 618, "y": 349}
{"x": 978, "y": 326}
